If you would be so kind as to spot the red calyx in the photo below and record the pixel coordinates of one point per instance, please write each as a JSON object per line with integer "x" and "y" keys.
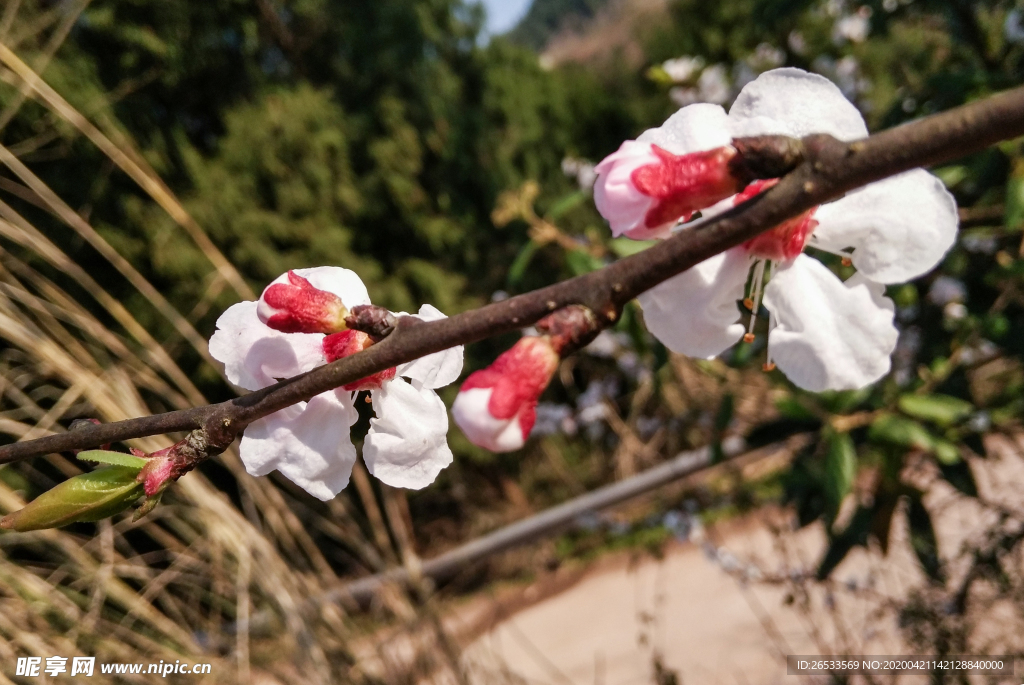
{"x": 785, "y": 241}
{"x": 345, "y": 343}
{"x": 684, "y": 184}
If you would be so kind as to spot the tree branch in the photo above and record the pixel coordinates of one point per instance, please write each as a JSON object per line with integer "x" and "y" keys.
{"x": 820, "y": 167}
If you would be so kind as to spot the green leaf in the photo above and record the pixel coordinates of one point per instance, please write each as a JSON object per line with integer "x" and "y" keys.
{"x": 942, "y": 410}
{"x": 626, "y": 247}
{"x": 952, "y": 175}
{"x": 792, "y": 408}
{"x": 113, "y": 458}
{"x": 1015, "y": 199}
{"x": 658, "y": 74}
{"x": 87, "y": 497}
{"x": 581, "y": 262}
{"x": 945, "y": 451}
{"x": 900, "y": 431}
{"x": 922, "y": 538}
{"x": 519, "y": 264}
{"x": 566, "y": 204}
{"x": 843, "y": 401}
{"x": 840, "y": 471}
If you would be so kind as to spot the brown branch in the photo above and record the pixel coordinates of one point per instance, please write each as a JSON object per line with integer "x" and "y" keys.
{"x": 826, "y": 169}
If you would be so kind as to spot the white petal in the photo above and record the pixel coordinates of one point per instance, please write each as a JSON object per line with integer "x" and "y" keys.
{"x": 796, "y": 103}
{"x": 308, "y": 443}
{"x": 334, "y": 279}
{"x": 255, "y": 355}
{"x": 830, "y": 335}
{"x": 438, "y": 369}
{"x": 693, "y": 128}
{"x": 407, "y": 446}
{"x": 899, "y": 228}
{"x": 615, "y": 195}
{"x": 473, "y": 416}
{"x": 695, "y": 312}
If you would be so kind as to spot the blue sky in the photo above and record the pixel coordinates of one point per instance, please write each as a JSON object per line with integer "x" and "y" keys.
{"x": 503, "y": 14}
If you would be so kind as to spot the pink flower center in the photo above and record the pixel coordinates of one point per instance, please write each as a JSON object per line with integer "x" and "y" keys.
{"x": 684, "y": 184}
{"x": 785, "y": 241}
{"x": 348, "y": 342}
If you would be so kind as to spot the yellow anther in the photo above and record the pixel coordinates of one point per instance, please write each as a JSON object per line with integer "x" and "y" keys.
{"x": 748, "y": 303}
{"x": 847, "y": 261}
{"x": 748, "y": 337}
{"x": 770, "y": 366}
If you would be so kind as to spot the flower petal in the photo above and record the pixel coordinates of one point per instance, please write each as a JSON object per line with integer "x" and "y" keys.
{"x": 406, "y": 446}
{"x": 830, "y": 335}
{"x": 255, "y": 355}
{"x": 695, "y": 312}
{"x": 796, "y": 103}
{"x": 693, "y": 128}
{"x": 615, "y": 194}
{"x": 438, "y": 369}
{"x": 342, "y": 282}
{"x": 898, "y": 228}
{"x": 308, "y": 443}
{"x": 472, "y": 413}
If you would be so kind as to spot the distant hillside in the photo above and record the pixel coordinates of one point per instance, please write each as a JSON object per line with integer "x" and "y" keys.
{"x": 546, "y": 18}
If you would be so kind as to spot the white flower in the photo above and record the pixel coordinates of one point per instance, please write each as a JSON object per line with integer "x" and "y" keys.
{"x": 714, "y": 84}
{"x": 853, "y": 27}
{"x": 1013, "y": 28}
{"x": 681, "y": 69}
{"x": 309, "y": 442}
{"x": 823, "y": 333}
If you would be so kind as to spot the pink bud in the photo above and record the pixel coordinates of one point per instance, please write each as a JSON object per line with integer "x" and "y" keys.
{"x": 785, "y": 241}
{"x": 345, "y": 343}
{"x": 158, "y": 474}
{"x": 496, "y": 407}
{"x": 643, "y": 190}
{"x": 298, "y": 307}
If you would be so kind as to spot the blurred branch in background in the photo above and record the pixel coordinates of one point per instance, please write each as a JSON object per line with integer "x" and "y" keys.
{"x": 556, "y": 519}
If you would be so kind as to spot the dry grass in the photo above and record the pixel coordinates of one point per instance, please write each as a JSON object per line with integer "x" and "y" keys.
{"x": 221, "y": 572}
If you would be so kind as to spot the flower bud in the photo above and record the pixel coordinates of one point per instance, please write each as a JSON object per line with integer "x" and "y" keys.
{"x": 643, "y": 189}
{"x": 496, "y": 407}
{"x": 345, "y": 343}
{"x": 296, "y": 306}
{"x": 90, "y": 496}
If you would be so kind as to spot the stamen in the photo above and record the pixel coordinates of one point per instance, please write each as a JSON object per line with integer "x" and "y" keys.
{"x": 753, "y": 303}
{"x": 845, "y": 256}
{"x": 769, "y": 365}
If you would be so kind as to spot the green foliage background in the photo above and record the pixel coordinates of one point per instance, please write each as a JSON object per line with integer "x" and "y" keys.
{"x": 379, "y": 136}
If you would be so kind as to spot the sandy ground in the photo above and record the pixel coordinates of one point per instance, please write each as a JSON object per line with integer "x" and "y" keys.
{"x": 723, "y": 607}
{"x": 710, "y": 618}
